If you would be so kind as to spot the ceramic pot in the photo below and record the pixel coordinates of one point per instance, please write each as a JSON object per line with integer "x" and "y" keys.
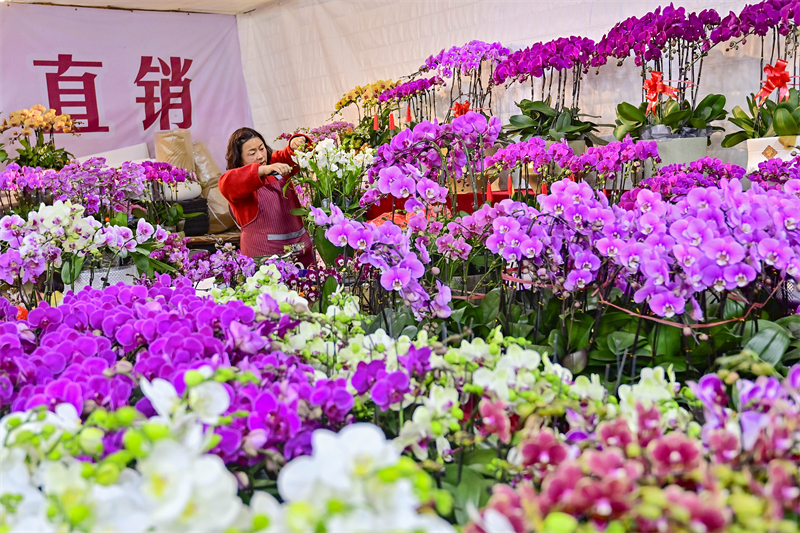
{"x": 760, "y": 150}
{"x": 180, "y": 192}
{"x": 125, "y": 274}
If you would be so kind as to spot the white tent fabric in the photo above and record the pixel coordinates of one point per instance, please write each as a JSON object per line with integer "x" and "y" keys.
{"x": 301, "y": 56}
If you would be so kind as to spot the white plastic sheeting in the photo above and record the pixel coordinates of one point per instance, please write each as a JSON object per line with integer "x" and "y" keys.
{"x": 301, "y": 56}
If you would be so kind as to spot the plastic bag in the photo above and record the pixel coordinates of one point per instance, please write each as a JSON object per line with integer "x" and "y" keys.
{"x": 175, "y": 147}
{"x": 219, "y": 215}
{"x": 205, "y": 167}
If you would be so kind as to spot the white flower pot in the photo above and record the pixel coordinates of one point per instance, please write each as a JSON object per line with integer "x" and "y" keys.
{"x": 180, "y": 192}
{"x": 760, "y": 150}
{"x": 125, "y": 274}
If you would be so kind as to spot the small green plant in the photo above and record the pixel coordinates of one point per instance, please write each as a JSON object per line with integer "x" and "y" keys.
{"x": 539, "y": 119}
{"x": 770, "y": 119}
{"x": 632, "y": 120}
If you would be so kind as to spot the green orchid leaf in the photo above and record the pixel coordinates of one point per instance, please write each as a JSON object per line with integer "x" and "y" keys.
{"x": 784, "y": 123}
{"x": 732, "y": 139}
{"x": 631, "y": 113}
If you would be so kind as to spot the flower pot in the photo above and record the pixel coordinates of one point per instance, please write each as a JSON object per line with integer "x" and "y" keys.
{"x": 125, "y": 274}
{"x": 760, "y": 150}
{"x": 679, "y": 150}
{"x": 180, "y": 192}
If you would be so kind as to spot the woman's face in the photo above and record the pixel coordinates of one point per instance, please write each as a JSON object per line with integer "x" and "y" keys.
{"x": 254, "y": 151}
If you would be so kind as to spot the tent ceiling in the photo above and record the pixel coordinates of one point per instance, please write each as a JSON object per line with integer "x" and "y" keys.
{"x": 230, "y": 7}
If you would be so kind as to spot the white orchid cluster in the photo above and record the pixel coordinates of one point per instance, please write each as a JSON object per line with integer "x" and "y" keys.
{"x": 328, "y": 157}
{"x": 264, "y": 291}
{"x": 355, "y": 481}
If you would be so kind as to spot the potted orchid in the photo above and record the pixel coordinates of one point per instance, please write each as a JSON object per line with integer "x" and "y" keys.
{"x": 57, "y": 246}
{"x": 682, "y": 132}
{"x": 769, "y": 129}
{"x": 669, "y": 45}
{"x": 419, "y": 97}
{"x": 469, "y": 70}
{"x": 555, "y": 70}
{"x": 35, "y": 130}
{"x": 331, "y": 176}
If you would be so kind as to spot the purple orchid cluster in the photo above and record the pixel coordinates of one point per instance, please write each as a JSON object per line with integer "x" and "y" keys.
{"x": 98, "y": 187}
{"x": 775, "y": 173}
{"x": 334, "y": 131}
{"x": 608, "y": 161}
{"x": 308, "y": 282}
{"x": 404, "y": 91}
{"x": 674, "y": 182}
{"x": 91, "y": 184}
{"x": 386, "y": 388}
{"x": 412, "y": 165}
{"x": 534, "y": 152}
{"x": 92, "y": 350}
{"x": 465, "y": 59}
{"x": 541, "y": 59}
{"x": 227, "y": 265}
{"x": 649, "y": 36}
{"x": 26, "y": 180}
{"x": 174, "y": 251}
{"x": 166, "y": 173}
{"x": 758, "y": 19}
{"x": 759, "y": 428}
{"x": 716, "y": 238}
{"x": 400, "y": 256}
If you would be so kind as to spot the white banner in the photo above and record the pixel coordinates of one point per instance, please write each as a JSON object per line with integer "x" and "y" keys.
{"x": 125, "y": 75}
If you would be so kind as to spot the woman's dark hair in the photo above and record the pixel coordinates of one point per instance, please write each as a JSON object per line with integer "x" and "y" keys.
{"x": 237, "y": 140}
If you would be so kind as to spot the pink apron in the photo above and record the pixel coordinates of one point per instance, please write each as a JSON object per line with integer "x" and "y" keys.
{"x": 275, "y": 230}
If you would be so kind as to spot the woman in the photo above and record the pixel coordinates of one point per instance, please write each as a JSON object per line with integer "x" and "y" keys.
{"x": 254, "y": 187}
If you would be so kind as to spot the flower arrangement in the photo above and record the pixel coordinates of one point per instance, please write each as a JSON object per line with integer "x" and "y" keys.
{"x": 226, "y": 266}
{"x": 331, "y": 175}
{"x": 565, "y": 60}
{"x": 674, "y": 182}
{"x": 37, "y": 122}
{"x": 59, "y": 240}
{"x": 419, "y": 96}
{"x": 367, "y": 96}
{"x": 415, "y": 167}
{"x": 467, "y": 61}
{"x": 335, "y": 131}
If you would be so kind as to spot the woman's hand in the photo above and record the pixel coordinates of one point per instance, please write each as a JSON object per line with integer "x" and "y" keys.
{"x": 297, "y": 142}
{"x": 281, "y": 168}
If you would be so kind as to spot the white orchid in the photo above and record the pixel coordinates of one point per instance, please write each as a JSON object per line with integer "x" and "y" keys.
{"x": 189, "y": 492}
{"x": 208, "y": 401}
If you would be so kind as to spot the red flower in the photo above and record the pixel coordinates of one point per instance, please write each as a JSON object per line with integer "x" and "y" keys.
{"x": 542, "y": 450}
{"x": 649, "y": 424}
{"x": 495, "y": 420}
{"x": 559, "y": 486}
{"x": 724, "y": 446}
{"x": 616, "y": 433}
{"x": 674, "y": 454}
{"x": 703, "y": 514}
{"x": 603, "y": 500}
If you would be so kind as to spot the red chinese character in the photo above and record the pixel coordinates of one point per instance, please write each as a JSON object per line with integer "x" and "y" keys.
{"x": 80, "y": 102}
{"x": 172, "y": 91}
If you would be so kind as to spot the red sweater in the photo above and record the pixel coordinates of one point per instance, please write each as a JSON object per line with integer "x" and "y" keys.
{"x": 239, "y": 185}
